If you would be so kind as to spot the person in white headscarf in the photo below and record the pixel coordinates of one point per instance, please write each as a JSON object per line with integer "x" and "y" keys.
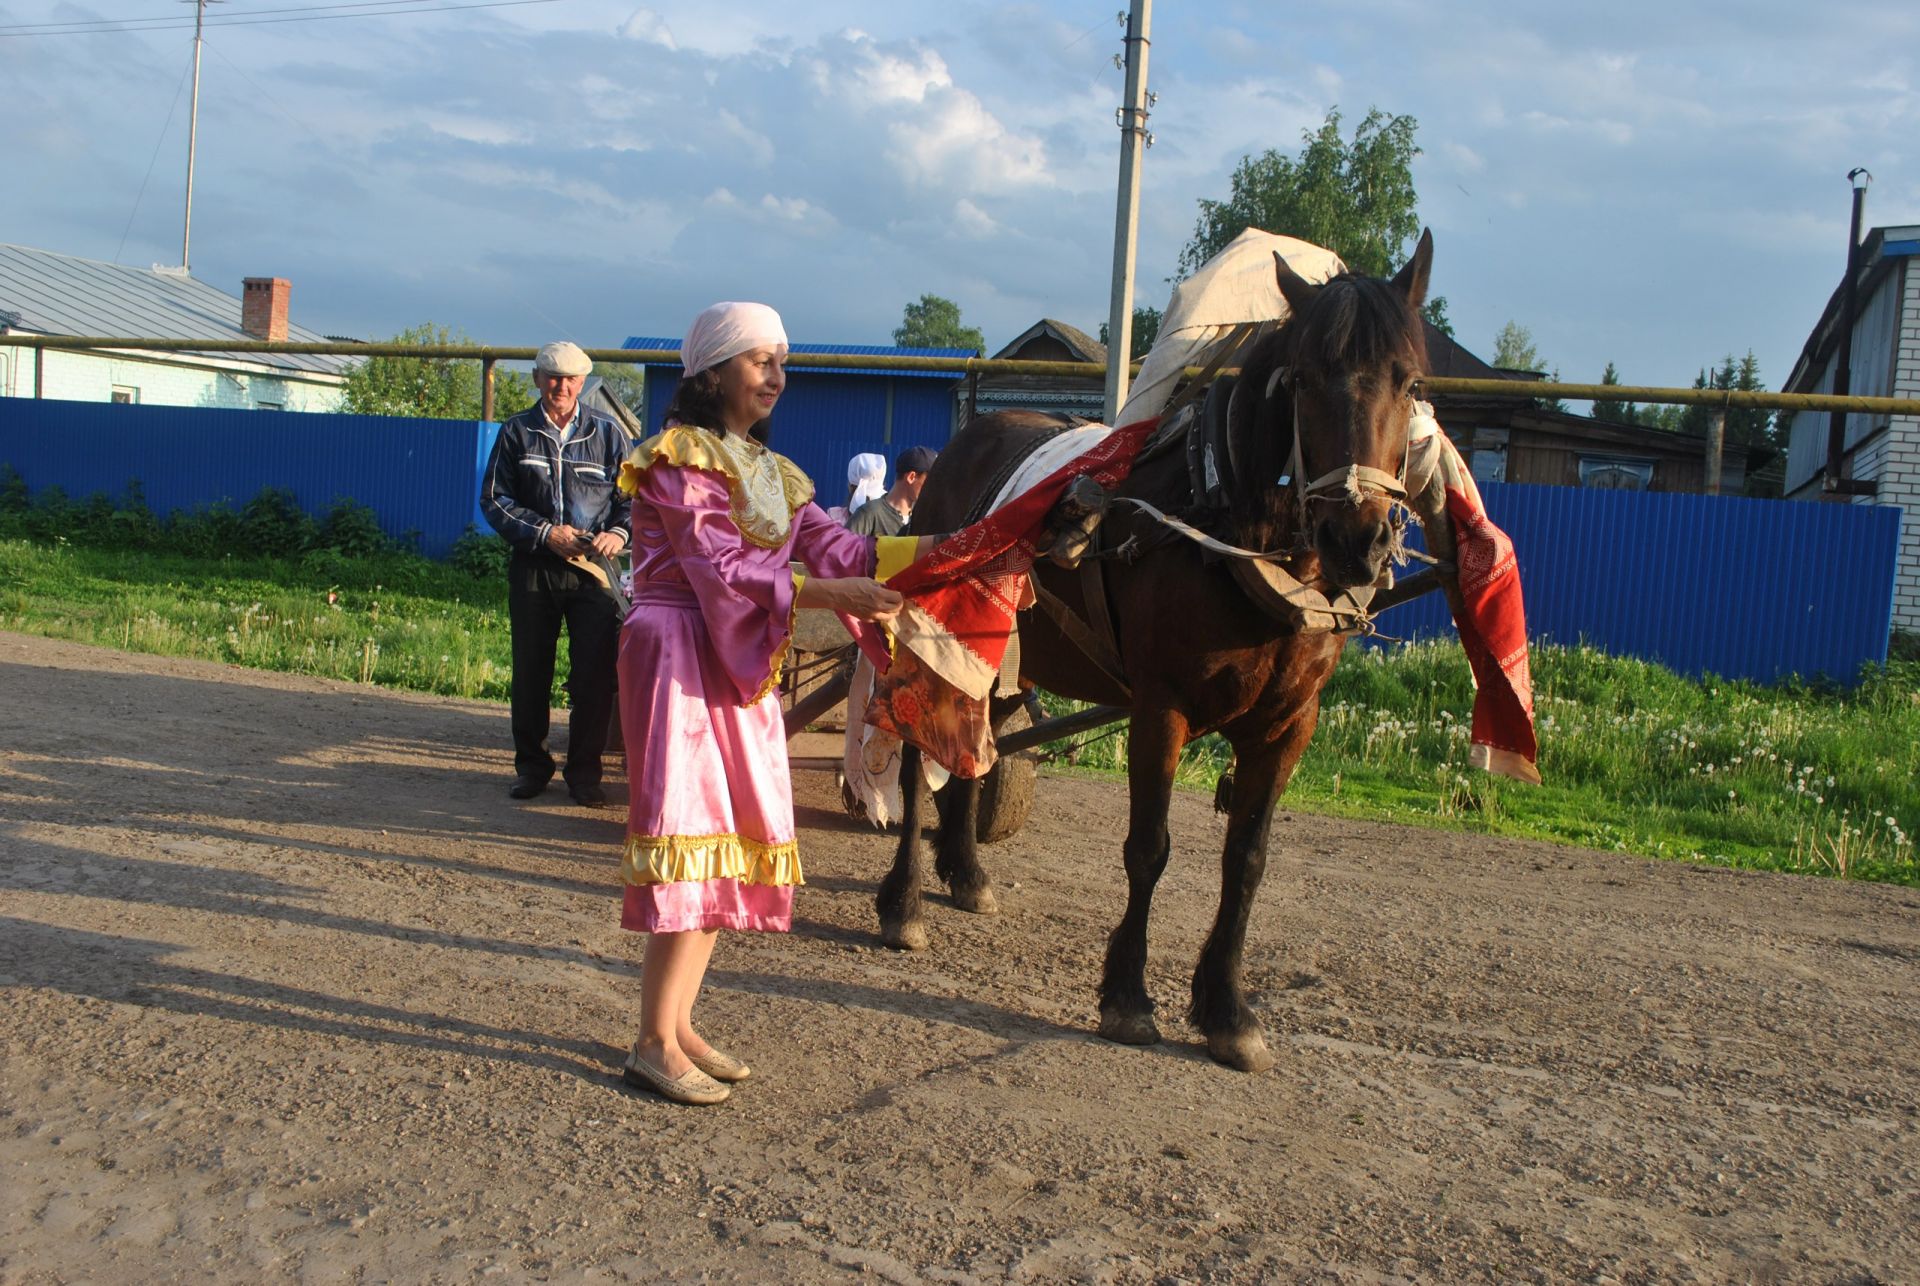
{"x": 718, "y": 523}
{"x": 866, "y": 480}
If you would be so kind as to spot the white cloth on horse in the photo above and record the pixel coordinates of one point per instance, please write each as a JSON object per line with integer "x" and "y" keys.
{"x": 870, "y": 763}
{"x": 1235, "y": 287}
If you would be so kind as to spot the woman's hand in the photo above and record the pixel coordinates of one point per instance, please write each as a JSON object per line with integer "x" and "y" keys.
{"x": 860, "y": 597}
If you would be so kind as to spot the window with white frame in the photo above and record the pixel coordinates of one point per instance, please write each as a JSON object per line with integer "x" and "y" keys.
{"x": 1609, "y": 473}
{"x": 269, "y": 406}
{"x": 126, "y": 394}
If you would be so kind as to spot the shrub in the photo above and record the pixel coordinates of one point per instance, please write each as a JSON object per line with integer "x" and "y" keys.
{"x": 208, "y": 531}
{"x": 480, "y": 554}
{"x": 274, "y": 524}
{"x": 351, "y": 528}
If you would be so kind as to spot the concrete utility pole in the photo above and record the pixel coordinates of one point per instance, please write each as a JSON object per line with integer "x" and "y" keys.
{"x": 193, "y": 126}
{"x": 1134, "y": 139}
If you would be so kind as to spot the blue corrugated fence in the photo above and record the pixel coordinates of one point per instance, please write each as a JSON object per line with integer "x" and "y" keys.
{"x": 1703, "y": 584}
{"x": 1755, "y": 589}
{"x": 417, "y": 475}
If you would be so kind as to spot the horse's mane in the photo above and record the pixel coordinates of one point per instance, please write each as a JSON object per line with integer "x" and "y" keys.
{"x": 1356, "y": 319}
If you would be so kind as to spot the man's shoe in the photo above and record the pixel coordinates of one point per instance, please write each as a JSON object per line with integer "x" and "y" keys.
{"x": 588, "y": 796}
{"x": 527, "y": 787}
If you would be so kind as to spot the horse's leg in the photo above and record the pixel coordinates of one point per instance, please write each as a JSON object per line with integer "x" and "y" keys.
{"x": 1219, "y": 1005}
{"x": 1153, "y": 752}
{"x": 956, "y": 851}
{"x": 898, "y": 901}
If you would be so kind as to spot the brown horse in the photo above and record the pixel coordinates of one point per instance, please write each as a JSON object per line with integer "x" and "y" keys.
{"x": 1197, "y": 654}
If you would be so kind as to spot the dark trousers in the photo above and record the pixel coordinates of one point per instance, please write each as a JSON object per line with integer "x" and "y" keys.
{"x": 543, "y": 591}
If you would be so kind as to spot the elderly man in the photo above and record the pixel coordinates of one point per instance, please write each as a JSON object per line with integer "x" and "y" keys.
{"x": 550, "y": 490}
{"x": 887, "y": 516}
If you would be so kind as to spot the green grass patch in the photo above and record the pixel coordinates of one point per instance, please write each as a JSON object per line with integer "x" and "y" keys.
{"x": 1792, "y": 777}
{"x": 392, "y": 619}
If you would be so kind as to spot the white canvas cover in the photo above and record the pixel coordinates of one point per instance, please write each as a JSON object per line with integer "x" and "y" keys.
{"x": 1233, "y": 288}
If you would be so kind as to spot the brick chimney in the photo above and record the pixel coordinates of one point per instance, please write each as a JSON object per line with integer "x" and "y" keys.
{"x": 263, "y": 307}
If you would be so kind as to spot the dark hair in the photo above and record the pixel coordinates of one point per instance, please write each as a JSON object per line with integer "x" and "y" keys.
{"x": 696, "y": 401}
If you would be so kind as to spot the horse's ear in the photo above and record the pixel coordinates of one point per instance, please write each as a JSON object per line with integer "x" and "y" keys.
{"x": 1295, "y": 289}
{"x": 1411, "y": 280}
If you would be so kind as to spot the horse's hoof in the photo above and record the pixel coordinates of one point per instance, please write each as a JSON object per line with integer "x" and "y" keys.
{"x": 910, "y": 936}
{"x": 1129, "y": 1029}
{"x": 1244, "y": 1051}
{"x": 978, "y": 899}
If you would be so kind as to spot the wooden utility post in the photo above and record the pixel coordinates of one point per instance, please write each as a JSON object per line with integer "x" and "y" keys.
{"x": 1716, "y": 438}
{"x": 1126, "y": 221}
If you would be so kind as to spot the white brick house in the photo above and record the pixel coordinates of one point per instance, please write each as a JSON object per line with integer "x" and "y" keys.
{"x": 1877, "y": 448}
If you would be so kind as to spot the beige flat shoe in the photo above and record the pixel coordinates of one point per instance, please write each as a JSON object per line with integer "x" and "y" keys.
{"x": 695, "y": 1089}
{"x": 722, "y": 1067}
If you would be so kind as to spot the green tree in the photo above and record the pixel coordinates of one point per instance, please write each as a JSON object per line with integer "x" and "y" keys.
{"x": 1513, "y": 349}
{"x": 1745, "y": 426}
{"x": 934, "y": 322}
{"x": 1146, "y": 329}
{"x": 1435, "y": 311}
{"x": 1615, "y": 412}
{"x": 1355, "y": 197}
{"x": 434, "y": 387}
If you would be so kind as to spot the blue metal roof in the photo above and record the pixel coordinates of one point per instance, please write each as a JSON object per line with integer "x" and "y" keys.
{"x": 644, "y": 342}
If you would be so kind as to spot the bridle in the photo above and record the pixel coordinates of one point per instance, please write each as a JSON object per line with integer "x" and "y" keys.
{"x": 1355, "y": 483}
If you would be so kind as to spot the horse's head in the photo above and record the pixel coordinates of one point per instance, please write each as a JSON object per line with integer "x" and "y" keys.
{"x": 1352, "y": 351}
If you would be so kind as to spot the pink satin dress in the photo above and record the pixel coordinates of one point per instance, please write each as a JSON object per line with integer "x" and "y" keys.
{"x": 710, "y": 833}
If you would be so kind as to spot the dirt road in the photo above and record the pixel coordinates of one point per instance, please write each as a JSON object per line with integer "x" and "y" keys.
{"x": 294, "y": 992}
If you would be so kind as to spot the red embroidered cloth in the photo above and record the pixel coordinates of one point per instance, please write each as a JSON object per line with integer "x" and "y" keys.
{"x": 1493, "y": 630}
{"x": 963, "y": 595}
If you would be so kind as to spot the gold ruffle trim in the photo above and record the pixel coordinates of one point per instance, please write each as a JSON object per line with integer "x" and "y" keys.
{"x": 763, "y": 505}
{"x": 779, "y": 664}
{"x": 673, "y": 859}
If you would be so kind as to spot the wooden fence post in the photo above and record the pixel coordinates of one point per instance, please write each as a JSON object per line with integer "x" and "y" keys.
{"x": 486, "y": 389}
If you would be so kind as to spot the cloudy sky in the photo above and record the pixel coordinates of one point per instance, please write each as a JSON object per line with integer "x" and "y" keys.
{"x": 1652, "y": 184}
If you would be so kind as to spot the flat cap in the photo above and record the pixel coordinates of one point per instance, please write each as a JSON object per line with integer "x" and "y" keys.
{"x": 563, "y": 358}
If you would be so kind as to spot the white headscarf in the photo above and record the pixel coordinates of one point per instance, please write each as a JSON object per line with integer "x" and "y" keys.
{"x": 868, "y": 475}
{"x": 727, "y": 330}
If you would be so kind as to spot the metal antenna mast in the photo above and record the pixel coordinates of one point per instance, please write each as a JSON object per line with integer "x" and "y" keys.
{"x": 193, "y": 127}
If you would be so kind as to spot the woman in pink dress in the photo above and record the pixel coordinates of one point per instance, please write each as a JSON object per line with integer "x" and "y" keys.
{"x": 718, "y": 520}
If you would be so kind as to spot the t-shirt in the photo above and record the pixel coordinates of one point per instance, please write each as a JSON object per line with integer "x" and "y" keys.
{"x": 877, "y": 518}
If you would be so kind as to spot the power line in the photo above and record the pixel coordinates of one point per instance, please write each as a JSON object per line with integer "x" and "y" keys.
{"x": 120, "y": 27}
{"x": 171, "y": 18}
{"x": 157, "y": 144}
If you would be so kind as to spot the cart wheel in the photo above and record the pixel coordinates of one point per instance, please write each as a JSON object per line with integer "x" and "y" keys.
{"x": 1006, "y": 794}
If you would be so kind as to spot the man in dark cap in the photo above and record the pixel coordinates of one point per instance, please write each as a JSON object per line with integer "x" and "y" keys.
{"x": 550, "y": 489}
{"x": 887, "y": 516}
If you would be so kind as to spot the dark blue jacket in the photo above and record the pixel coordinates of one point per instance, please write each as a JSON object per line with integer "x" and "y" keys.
{"x": 535, "y": 481}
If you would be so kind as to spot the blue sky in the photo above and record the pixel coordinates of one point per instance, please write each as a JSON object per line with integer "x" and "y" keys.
{"x": 1651, "y": 184}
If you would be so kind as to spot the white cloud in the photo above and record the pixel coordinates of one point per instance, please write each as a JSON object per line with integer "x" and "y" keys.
{"x": 1464, "y": 158}
{"x": 648, "y": 26}
{"x": 969, "y": 220}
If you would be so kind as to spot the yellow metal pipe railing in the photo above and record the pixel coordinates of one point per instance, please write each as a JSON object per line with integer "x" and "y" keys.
{"x": 1728, "y": 399}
